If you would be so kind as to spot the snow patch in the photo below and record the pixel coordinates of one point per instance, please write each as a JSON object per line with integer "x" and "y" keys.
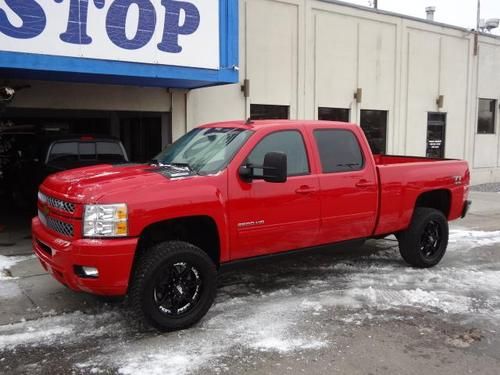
{"x": 8, "y": 262}
{"x": 62, "y": 329}
{"x": 473, "y": 238}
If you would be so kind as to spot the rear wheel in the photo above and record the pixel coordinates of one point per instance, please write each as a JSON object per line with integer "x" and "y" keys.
{"x": 174, "y": 286}
{"x": 424, "y": 243}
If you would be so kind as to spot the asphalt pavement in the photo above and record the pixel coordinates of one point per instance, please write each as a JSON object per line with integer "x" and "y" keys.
{"x": 337, "y": 310}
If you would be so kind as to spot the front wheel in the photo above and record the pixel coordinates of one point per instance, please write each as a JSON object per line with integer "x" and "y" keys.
{"x": 174, "y": 286}
{"x": 424, "y": 243}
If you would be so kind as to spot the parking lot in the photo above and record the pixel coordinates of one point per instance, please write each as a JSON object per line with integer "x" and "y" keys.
{"x": 336, "y": 310}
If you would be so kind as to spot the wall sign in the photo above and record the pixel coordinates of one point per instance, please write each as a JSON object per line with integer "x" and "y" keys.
{"x": 162, "y": 32}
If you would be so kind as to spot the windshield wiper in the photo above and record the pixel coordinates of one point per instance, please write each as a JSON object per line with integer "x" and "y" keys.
{"x": 178, "y": 167}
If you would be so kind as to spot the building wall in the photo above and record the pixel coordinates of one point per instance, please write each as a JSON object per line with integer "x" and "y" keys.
{"x": 309, "y": 53}
{"x": 64, "y": 95}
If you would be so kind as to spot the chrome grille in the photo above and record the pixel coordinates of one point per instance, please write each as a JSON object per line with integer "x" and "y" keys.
{"x": 57, "y": 203}
{"x": 56, "y": 225}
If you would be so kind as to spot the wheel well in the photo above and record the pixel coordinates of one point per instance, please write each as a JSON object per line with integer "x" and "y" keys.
{"x": 200, "y": 231}
{"x": 438, "y": 199}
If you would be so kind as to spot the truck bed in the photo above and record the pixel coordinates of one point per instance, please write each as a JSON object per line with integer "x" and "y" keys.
{"x": 400, "y": 159}
{"x": 403, "y": 179}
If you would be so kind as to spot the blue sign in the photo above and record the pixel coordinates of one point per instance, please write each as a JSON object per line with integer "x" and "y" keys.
{"x": 150, "y": 42}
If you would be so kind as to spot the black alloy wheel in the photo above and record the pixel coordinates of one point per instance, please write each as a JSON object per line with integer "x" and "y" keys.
{"x": 430, "y": 241}
{"x": 173, "y": 286}
{"x": 425, "y": 241}
{"x": 177, "y": 289}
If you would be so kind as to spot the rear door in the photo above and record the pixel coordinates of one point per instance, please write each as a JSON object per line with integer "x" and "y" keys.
{"x": 348, "y": 186}
{"x": 272, "y": 217}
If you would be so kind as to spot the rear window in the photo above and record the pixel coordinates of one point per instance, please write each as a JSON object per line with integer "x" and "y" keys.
{"x": 73, "y": 151}
{"x": 339, "y": 150}
{"x": 64, "y": 151}
{"x": 87, "y": 151}
{"x": 110, "y": 151}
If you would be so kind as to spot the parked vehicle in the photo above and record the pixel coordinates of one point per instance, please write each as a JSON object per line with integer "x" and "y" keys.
{"x": 27, "y": 157}
{"x": 231, "y": 191}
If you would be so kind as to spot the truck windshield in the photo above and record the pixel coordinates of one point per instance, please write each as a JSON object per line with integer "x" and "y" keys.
{"x": 204, "y": 150}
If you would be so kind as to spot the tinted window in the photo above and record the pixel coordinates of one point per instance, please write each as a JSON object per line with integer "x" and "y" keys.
{"x": 110, "y": 151}
{"x": 289, "y": 142}
{"x": 374, "y": 124}
{"x": 87, "y": 151}
{"x": 64, "y": 151}
{"x": 333, "y": 114}
{"x": 338, "y": 150}
{"x": 486, "y": 116}
{"x": 265, "y": 112}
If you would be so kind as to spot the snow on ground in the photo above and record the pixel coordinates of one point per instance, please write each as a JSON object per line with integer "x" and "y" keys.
{"x": 8, "y": 287}
{"x": 7, "y": 262}
{"x": 283, "y": 311}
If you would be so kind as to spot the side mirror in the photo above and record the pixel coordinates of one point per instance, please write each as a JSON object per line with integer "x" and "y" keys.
{"x": 275, "y": 167}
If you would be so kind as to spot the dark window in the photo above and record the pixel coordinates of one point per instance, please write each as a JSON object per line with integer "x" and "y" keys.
{"x": 486, "y": 116}
{"x": 374, "y": 124}
{"x": 333, "y": 114}
{"x": 289, "y": 142}
{"x": 266, "y": 112}
{"x": 87, "y": 151}
{"x": 109, "y": 151}
{"x": 436, "y": 135}
{"x": 64, "y": 151}
{"x": 339, "y": 150}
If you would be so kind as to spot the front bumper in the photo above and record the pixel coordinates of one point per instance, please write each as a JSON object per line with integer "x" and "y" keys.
{"x": 112, "y": 257}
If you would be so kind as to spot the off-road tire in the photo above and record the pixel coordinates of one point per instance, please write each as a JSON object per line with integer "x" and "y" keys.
{"x": 151, "y": 266}
{"x": 414, "y": 241}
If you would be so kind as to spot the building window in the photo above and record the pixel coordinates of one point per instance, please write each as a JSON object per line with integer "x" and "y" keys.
{"x": 486, "y": 116}
{"x": 288, "y": 142}
{"x": 374, "y": 124}
{"x": 269, "y": 112}
{"x": 333, "y": 114}
{"x": 339, "y": 150}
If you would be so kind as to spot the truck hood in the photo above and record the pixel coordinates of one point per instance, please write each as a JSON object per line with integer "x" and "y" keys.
{"x": 89, "y": 184}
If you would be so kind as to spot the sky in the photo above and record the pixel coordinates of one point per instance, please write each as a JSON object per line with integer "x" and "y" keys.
{"x": 454, "y": 12}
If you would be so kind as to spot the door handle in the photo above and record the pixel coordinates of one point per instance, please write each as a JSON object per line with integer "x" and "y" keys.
{"x": 363, "y": 183}
{"x": 306, "y": 189}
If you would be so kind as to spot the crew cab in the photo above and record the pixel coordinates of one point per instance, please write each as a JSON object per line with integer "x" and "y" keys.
{"x": 225, "y": 192}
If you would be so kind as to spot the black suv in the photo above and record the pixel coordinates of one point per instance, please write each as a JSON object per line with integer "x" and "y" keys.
{"x": 27, "y": 157}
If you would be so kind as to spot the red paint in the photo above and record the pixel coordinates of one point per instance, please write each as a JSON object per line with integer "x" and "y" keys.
{"x": 303, "y": 212}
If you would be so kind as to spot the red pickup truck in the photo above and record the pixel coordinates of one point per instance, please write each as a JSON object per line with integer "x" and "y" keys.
{"x": 159, "y": 232}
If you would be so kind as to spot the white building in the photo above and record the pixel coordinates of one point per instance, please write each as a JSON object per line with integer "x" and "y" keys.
{"x": 417, "y": 87}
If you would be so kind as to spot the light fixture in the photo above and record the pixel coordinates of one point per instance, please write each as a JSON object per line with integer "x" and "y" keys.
{"x": 358, "y": 95}
{"x": 245, "y": 88}
{"x": 440, "y": 101}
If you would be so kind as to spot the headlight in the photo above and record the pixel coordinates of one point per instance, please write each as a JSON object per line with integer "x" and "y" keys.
{"x": 105, "y": 220}
{"x": 42, "y": 197}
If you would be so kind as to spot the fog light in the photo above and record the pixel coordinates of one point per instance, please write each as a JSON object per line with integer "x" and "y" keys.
{"x": 87, "y": 272}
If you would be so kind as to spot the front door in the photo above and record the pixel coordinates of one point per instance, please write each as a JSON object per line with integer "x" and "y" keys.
{"x": 436, "y": 132}
{"x": 272, "y": 217}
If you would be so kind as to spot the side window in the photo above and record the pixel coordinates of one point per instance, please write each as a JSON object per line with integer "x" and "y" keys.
{"x": 339, "y": 150}
{"x": 289, "y": 142}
